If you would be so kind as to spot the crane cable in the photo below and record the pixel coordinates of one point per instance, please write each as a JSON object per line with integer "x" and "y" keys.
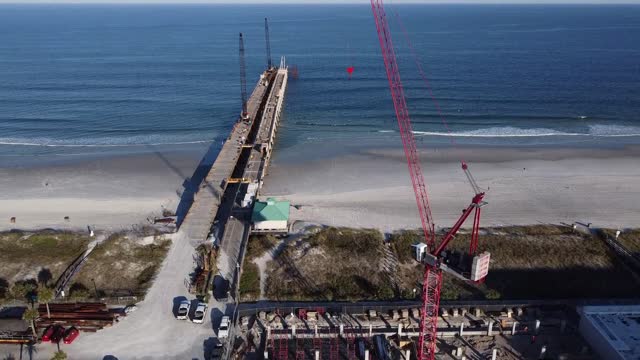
{"x": 427, "y": 84}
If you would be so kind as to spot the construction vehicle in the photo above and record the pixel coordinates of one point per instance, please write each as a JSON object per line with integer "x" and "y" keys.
{"x": 472, "y": 267}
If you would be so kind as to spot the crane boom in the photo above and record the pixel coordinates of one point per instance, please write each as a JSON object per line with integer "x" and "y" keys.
{"x": 432, "y": 280}
{"x": 404, "y": 123}
{"x": 243, "y": 79}
{"x": 268, "y": 44}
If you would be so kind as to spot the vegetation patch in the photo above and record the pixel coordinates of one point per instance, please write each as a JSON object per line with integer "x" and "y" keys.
{"x": 37, "y": 256}
{"x": 123, "y": 264}
{"x": 250, "y": 282}
{"x": 331, "y": 264}
{"x": 630, "y": 238}
{"x": 532, "y": 262}
{"x": 258, "y": 245}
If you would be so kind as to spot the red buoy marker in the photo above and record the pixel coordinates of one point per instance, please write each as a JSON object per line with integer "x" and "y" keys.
{"x": 350, "y": 71}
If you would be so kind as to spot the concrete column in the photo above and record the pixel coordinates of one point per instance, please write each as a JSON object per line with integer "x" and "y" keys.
{"x": 370, "y": 330}
{"x": 494, "y": 354}
{"x": 543, "y": 351}
{"x": 268, "y": 331}
{"x": 399, "y": 329}
{"x": 513, "y": 328}
{"x": 293, "y": 330}
{"x": 407, "y": 355}
{"x": 266, "y": 355}
{"x": 341, "y": 329}
{"x": 317, "y": 352}
{"x": 315, "y": 329}
{"x": 459, "y": 351}
{"x": 366, "y": 354}
{"x": 490, "y": 330}
{"x": 537, "y": 328}
{"x": 461, "y": 329}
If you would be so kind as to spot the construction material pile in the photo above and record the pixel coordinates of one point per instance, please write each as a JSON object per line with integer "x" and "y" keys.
{"x": 83, "y": 316}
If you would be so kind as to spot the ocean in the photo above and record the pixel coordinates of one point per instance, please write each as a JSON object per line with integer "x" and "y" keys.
{"x": 84, "y": 80}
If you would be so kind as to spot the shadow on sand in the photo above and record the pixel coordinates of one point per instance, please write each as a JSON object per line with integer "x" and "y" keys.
{"x": 191, "y": 183}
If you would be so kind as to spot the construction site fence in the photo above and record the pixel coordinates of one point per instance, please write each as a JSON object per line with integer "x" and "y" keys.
{"x": 285, "y": 308}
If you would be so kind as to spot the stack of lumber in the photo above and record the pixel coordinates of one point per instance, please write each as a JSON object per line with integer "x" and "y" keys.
{"x": 84, "y": 316}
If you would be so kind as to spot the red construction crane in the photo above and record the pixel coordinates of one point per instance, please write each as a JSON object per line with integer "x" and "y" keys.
{"x": 243, "y": 80}
{"x": 472, "y": 268}
{"x": 268, "y": 46}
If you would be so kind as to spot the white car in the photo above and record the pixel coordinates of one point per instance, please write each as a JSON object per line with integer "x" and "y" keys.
{"x": 200, "y": 313}
{"x": 183, "y": 310}
{"x": 223, "y": 330}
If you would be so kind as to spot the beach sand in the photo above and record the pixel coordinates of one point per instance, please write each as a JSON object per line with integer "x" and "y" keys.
{"x": 107, "y": 193}
{"x": 372, "y": 188}
{"x": 369, "y": 188}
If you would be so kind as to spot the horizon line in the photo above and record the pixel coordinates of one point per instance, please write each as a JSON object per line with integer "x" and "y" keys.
{"x": 316, "y": 2}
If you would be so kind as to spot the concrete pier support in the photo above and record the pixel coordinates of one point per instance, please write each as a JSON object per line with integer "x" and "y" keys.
{"x": 494, "y": 354}
{"x": 490, "y": 330}
{"x": 317, "y": 354}
{"x": 537, "y": 327}
{"x": 461, "y": 329}
{"x": 293, "y": 330}
{"x": 399, "y": 329}
{"x": 366, "y": 354}
{"x": 370, "y": 330}
{"x": 513, "y": 328}
{"x": 341, "y": 329}
{"x": 407, "y": 355}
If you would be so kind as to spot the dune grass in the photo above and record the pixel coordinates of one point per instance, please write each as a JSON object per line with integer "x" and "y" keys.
{"x": 124, "y": 263}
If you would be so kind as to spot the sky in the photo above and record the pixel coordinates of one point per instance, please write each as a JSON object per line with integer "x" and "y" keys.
{"x": 322, "y": 1}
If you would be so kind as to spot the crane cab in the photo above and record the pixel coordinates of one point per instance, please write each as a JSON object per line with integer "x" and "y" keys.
{"x": 420, "y": 250}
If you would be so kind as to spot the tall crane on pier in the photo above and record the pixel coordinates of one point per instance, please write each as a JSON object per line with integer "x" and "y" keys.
{"x": 243, "y": 81}
{"x": 436, "y": 260}
{"x": 266, "y": 38}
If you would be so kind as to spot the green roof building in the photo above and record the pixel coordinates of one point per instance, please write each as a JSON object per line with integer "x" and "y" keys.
{"x": 270, "y": 216}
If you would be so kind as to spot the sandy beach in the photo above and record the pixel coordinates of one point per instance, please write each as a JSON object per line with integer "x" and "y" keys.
{"x": 525, "y": 186}
{"x": 370, "y": 188}
{"x": 107, "y": 193}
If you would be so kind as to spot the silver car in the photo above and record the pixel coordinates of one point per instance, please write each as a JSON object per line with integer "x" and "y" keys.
{"x": 183, "y": 310}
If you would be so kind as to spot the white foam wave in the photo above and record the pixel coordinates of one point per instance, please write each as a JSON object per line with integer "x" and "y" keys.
{"x": 510, "y": 132}
{"x": 97, "y": 143}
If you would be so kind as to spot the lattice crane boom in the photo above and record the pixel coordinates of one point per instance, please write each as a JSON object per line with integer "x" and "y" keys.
{"x": 243, "y": 79}
{"x": 268, "y": 44}
{"x": 404, "y": 123}
{"x": 432, "y": 280}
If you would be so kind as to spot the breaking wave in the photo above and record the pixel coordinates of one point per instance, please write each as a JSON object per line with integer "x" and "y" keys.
{"x": 509, "y": 131}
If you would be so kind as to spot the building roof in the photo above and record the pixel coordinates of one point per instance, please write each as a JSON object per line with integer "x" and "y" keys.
{"x": 617, "y": 325}
{"x": 270, "y": 210}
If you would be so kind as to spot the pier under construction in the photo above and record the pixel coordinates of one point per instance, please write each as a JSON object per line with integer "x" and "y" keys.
{"x": 221, "y": 209}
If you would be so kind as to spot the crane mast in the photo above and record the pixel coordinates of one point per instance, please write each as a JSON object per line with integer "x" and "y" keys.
{"x": 432, "y": 279}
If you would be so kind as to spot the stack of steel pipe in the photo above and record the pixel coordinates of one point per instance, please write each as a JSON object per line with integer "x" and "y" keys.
{"x": 84, "y": 316}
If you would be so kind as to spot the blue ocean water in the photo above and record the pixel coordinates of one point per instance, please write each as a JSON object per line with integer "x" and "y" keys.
{"x": 88, "y": 79}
